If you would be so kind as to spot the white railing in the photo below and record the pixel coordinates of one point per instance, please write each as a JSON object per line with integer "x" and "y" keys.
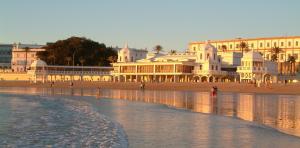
{"x": 209, "y": 72}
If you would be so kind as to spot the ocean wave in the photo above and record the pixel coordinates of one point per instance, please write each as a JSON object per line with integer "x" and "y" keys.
{"x": 60, "y": 122}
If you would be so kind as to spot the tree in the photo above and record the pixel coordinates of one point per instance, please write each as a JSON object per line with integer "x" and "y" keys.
{"x": 244, "y": 47}
{"x": 158, "y": 48}
{"x": 26, "y": 51}
{"x": 94, "y": 53}
{"x": 224, "y": 48}
{"x": 81, "y": 60}
{"x": 275, "y": 52}
{"x": 68, "y": 59}
{"x": 173, "y": 52}
{"x": 292, "y": 61}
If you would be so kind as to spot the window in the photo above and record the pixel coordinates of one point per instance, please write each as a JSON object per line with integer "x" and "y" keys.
{"x": 194, "y": 48}
{"x": 242, "y": 63}
{"x": 282, "y": 44}
{"x": 289, "y": 44}
{"x": 275, "y": 44}
{"x": 230, "y": 46}
{"x": 260, "y": 44}
{"x": 200, "y": 56}
{"x": 212, "y": 67}
{"x": 219, "y": 47}
{"x": 281, "y": 56}
{"x": 268, "y": 44}
{"x": 214, "y": 56}
{"x": 297, "y": 43}
{"x": 200, "y": 67}
{"x": 207, "y": 57}
{"x": 237, "y": 46}
{"x": 252, "y": 45}
{"x": 216, "y": 67}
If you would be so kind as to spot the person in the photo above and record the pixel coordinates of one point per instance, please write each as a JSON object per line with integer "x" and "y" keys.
{"x": 142, "y": 85}
{"x": 214, "y": 91}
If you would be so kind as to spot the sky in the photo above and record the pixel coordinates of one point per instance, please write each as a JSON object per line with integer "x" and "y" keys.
{"x": 146, "y": 23}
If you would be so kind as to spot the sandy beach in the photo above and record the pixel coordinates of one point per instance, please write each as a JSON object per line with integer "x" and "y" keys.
{"x": 292, "y": 88}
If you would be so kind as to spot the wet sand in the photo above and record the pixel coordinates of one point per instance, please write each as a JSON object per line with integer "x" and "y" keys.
{"x": 292, "y": 88}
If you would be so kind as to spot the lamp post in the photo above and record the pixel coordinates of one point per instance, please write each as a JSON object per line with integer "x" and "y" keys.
{"x": 73, "y": 63}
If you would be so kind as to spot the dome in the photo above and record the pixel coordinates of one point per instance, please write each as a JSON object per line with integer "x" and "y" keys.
{"x": 255, "y": 56}
{"x": 38, "y": 63}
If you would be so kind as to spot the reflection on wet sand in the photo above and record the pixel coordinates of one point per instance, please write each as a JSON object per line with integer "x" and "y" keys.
{"x": 278, "y": 111}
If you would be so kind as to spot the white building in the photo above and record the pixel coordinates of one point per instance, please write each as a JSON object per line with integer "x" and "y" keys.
{"x": 127, "y": 54}
{"x": 23, "y": 56}
{"x": 255, "y": 69}
{"x": 203, "y": 65}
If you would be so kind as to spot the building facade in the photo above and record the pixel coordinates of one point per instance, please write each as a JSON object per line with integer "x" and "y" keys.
{"x": 5, "y": 56}
{"x": 130, "y": 55}
{"x": 23, "y": 55}
{"x": 203, "y": 65}
{"x": 255, "y": 69}
{"x": 290, "y": 46}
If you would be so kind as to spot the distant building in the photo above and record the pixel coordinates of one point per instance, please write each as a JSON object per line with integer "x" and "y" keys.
{"x": 23, "y": 56}
{"x": 255, "y": 69}
{"x": 136, "y": 66}
{"x": 127, "y": 54}
{"x": 5, "y": 56}
{"x": 290, "y": 46}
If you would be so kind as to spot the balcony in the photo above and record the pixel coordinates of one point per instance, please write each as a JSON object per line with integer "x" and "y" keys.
{"x": 209, "y": 72}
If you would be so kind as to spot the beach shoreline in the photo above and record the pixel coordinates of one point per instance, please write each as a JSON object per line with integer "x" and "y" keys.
{"x": 291, "y": 88}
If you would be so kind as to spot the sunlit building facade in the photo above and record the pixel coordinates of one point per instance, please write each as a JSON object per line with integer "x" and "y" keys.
{"x": 23, "y": 55}
{"x": 289, "y": 45}
{"x": 204, "y": 65}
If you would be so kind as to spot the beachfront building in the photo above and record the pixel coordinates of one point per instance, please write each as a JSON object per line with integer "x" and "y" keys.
{"x": 130, "y": 55}
{"x": 255, "y": 69}
{"x": 203, "y": 65}
{"x": 41, "y": 72}
{"x": 5, "y": 57}
{"x": 23, "y": 55}
{"x": 289, "y": 46}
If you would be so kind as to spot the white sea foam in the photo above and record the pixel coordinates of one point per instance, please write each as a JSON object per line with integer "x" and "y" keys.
{"x": 59, "y": 122}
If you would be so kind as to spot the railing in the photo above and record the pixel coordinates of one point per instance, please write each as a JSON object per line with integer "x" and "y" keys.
{"x": 209, "y": 72}
{"x": 49, "y": 72}
{"x": 258, "y": 69}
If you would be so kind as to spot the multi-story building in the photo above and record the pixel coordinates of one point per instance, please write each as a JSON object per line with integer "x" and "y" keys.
{"x": 290, "y": 46}
{"x": 130, "y": 55}
{"x": 254, "y": 68}
{"x": 5, "y": 56}
{"x": 23, "y": 56}
{"x": 203, "y": 65}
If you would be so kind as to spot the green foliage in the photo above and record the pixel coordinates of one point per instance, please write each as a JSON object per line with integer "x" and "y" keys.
{"x": 84, "y": 51}
{"x": 158, "y": 48}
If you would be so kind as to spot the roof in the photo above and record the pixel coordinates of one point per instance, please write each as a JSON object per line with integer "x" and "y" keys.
{"x": 253, "y": 55}
{"x": 245, "y": 39}
{"x": 38, "y": 63}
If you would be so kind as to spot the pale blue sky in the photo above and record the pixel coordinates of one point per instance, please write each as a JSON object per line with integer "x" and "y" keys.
{"x": 145, "y": 23}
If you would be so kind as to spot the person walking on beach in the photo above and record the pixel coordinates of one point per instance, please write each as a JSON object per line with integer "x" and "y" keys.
{"x": 142, "y": 85}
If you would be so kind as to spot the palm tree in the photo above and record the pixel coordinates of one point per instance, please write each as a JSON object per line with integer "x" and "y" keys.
{"x": 81, "y": 60}
{"x": 68, "y": 59}
{"x": 292, "y": 61}
{"x": 112, "y": 59}
{"x": 158, "y": 48}
{"x": 275, "y": 53}
{"x": 173, "y": 52}
{"x": 26, "y": 51}
{"x": 244, "y": 47}
{"x": 224, "y": 48}
{"x": 52, "y": 58}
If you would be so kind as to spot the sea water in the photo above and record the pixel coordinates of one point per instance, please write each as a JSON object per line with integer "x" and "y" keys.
{"x": 147, "y": 118}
